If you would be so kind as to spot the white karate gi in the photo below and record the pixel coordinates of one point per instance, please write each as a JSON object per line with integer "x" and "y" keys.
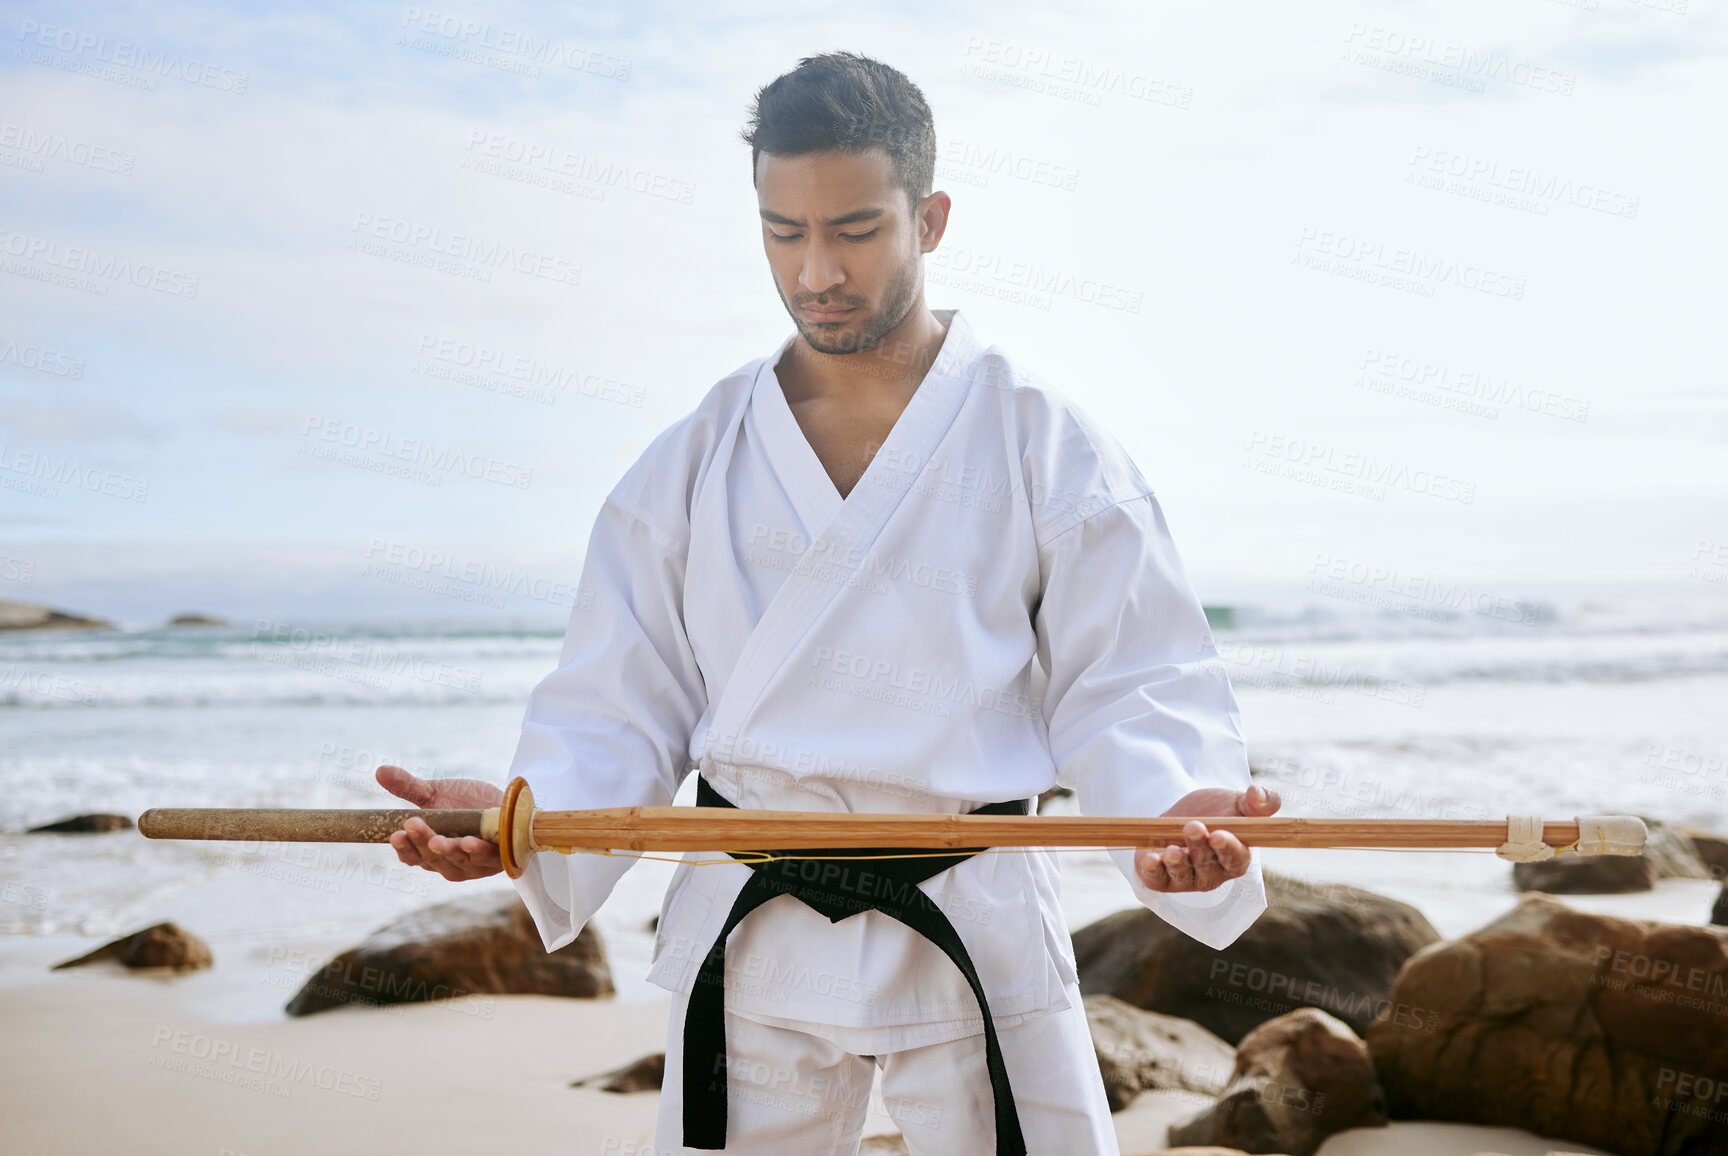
{"x": 996, "y": 607}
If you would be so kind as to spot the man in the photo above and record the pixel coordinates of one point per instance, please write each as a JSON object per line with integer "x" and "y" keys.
{"x": 876, "y": 571}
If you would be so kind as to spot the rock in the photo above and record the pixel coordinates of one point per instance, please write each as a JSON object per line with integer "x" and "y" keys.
{"x": 163, "y": 945}
{"x": 30, "y": 616}
{"x": 482, "y": 944}
{"x": 644, "y": 1075}
{"x": 1712, "y": 851}
{"x": 1719, "y": 913}
{"x": 1141, "y": 1050}
{"x": 83, "y": 824}
{"x": 1668, "y": 854}
{"x": 197, "y": 620}
{"x": 1611, "y": 1032}
{"x": 1297, "y": 1080}
{"x": 1329, "y": 946}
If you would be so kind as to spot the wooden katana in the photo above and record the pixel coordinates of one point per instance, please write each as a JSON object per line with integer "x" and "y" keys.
{"x": 519, "y": 829}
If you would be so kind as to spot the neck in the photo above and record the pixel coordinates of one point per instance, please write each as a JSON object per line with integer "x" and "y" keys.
{"x": 893, "y": 366}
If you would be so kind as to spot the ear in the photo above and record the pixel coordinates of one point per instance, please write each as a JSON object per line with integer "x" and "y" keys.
{"x": 932, "y": 220}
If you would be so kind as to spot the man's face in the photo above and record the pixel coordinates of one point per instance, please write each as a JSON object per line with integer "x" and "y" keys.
{"x": 843, "y": 244}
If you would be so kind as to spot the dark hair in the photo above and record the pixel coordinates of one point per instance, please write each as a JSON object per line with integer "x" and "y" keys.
{"x": 840, "y": 100}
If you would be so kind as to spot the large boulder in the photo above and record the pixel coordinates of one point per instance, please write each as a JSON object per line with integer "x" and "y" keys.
{"x": 1297, "y": 1080}
{"x": 93, "y": 824}
{"x": 482, "y": 944}
{"x": 1329, "y": 946}
{"x": 1719, "y": 913}
{"x": 162, "y": 945}
{"x": 1611, "y": 1032}
{"x": 1669, "y": 853}
{"x": 1139, "y": 1051}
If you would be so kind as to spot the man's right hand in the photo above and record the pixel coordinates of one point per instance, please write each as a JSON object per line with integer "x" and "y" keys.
{"x": 417, "y": 845}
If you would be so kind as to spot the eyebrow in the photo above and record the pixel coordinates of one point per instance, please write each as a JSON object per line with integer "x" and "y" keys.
{"x": 853, "y": 218}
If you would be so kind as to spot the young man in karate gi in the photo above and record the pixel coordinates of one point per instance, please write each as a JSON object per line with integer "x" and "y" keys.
{"x": 878, "y": 570}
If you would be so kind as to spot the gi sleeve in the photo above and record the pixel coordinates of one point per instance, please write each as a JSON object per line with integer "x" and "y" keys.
{"x": 1137, "y": 704}
{"x": 610, "y": 727}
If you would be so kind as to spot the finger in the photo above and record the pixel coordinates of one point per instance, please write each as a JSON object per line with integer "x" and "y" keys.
{"x": 1150, "y": 867}
{"x": 1232, "y": 853}
{"x": 1176, "y": 866}
{"x": 1257, "y": 800}
{"x": 404, "y": 785}
{"x": 1207, "y": 871}
{"x": 405, "y": 849}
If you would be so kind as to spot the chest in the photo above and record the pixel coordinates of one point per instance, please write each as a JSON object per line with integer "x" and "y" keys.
{"x": 846, "y": 437}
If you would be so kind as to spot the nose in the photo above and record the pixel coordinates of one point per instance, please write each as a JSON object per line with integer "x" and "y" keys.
{"x": 821, "y": 270}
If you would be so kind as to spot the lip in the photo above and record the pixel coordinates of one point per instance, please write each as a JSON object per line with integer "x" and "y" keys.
{"x": 829, "y": 314}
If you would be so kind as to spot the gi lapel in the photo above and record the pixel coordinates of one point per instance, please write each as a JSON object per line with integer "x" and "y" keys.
{"x": 854, "y": 525}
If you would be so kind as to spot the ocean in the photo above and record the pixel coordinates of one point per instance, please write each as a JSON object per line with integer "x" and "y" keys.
{"x": 1419, "y": 705}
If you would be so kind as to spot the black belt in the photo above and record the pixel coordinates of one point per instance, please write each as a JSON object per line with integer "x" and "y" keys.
{"x": 837, "y": 891}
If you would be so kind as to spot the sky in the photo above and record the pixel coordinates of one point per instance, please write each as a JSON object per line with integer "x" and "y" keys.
{"x": 1435, "y": 289}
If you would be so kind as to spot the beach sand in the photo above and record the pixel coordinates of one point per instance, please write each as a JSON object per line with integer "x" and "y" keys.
{"x": 99, "y": 1060}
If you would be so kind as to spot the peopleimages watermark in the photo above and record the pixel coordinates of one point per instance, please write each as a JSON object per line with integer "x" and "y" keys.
{"x": 40, "y": 359}
{"x": 471, "y": 580}
{"x": 1384, "y": 587}
{"x": 1710, "y": 562}
{"x": 580, "y": 174}
{"x": 257, "y": 1069}
{"x": 1025, "y": 282}
{"x": 24, "y": 147}
{"x": 500, "y": 46}
{"x": 1468, "y": 391}
{"x": 1274, "y": 668}
{"x": 360, "y": 659}
{"x": 369, "y": 448}
{"x": 1402, "y": 268}
{"x": 1348, "y": 471}
{"x": 121, "y": 61}
{"x": 1329, "y": 789}
{"x": 13, "y": 569}
{"x": 970, "y": 163}
{"x": 459, "y": 254}
{"x": 85, "y": 269}
{"x": 40, "y": 473}
{"x": 516, "y": 374}
{"x": 1517, "y": 187}
{"x": 917, "y": 688}
{"x": 1065, "y": 77}
{"x": 1446, "y": 63}
{"x": 1298, "y": 991}
{"x": 1691, "y": 772}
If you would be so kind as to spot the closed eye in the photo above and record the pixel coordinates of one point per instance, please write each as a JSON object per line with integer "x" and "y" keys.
{"x": 784, "y": 236}
{"x": 859, "y": 236}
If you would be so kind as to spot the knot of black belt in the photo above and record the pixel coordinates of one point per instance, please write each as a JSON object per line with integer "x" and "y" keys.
{"x": 837, "y": 890}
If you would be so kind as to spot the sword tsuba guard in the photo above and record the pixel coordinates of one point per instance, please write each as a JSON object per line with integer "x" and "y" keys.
{"x": 515, "y": 826}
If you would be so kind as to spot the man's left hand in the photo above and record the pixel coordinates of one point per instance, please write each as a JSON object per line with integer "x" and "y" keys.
{"x": 1210, "y": 858}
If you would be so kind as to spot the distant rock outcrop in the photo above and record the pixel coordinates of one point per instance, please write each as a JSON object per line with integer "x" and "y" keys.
{"x": 30, "y": 616}
{"x": 483, "y": 944}
{"x": 1327, "y": 945}
{"x": 1568, "y": 1024}
{"x": 163, "y": 945}
{"x": 197, "y": 620}
{"x": 92, "y": 824}
{"x": 1668, "y": 854}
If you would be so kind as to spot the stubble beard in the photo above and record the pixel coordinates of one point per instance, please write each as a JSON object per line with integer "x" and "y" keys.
{"x": 896, "y": 304}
